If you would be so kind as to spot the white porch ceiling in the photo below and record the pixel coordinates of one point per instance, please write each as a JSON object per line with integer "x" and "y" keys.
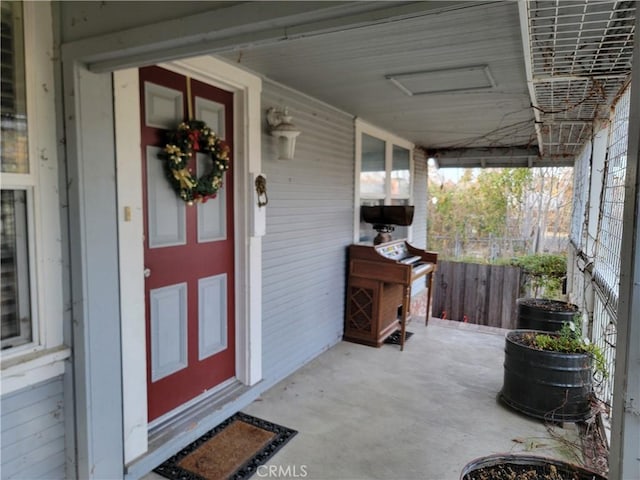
{"x": 553, "y": 67}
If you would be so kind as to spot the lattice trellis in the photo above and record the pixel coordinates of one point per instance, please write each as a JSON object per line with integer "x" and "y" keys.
{"x": 609, "y": 241}
{"x": 580, "y": 54}
{"x": 361, "y": 308}
{"x": 604, "y": 335}
{"x": 582, "y": 38}
{"x": 580, "y": 196}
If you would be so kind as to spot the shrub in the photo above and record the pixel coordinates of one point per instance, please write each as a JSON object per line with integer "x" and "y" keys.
{"x": 544, "y": 273}
{"x": 570, "y": 340}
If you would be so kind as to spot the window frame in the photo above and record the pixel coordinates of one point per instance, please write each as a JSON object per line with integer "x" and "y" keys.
{"x": 43, "y": 209}
{"x": 30, "y": 271}
{"x": 390, "y": 140}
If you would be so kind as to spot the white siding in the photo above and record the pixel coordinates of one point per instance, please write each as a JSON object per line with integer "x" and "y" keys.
{"x": 309, "y": 226}
{"x": 33, "y": 441}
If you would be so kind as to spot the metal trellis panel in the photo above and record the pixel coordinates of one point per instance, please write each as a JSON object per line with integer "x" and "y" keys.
{"x": 609, "y": 240}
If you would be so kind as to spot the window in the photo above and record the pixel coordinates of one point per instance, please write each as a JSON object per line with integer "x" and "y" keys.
{"x": 16, "y": 298}
{"x": 30, "y": 250}
{"x": 383, "y": 175}
{"x": 14, "y": 101}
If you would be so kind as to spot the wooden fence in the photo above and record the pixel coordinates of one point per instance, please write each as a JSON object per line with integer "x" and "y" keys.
{"x": 474, "y": 293}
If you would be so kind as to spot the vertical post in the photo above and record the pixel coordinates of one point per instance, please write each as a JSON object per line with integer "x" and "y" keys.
{"x": 429, "y": 292}
{"x": 93, "y": 240}
{"x": 406, "y": 305}
{"x": 624, "y": 458}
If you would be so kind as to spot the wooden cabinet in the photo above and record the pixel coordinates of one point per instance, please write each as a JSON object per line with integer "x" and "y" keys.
{"x": 373, "y": 309}
{"x": 379, "y": 289}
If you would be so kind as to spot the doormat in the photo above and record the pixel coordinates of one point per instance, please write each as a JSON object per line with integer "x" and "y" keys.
{"x": 395, "y": 337}
{"x": 233, "y": 450}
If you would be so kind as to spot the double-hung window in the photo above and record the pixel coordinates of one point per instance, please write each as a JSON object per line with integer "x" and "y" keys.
{"x": 17, "y": 186}
{"x": 31, "y": 251}
{"x": 384, "y": 173}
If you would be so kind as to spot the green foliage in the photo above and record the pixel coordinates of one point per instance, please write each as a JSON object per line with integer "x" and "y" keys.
{"x": 542, "y": 264}
{"x": 477, "y": 206}
{"x": 569, "y": 340}
{"x": 544, "y": 273}
{"x": 498, "y": 212}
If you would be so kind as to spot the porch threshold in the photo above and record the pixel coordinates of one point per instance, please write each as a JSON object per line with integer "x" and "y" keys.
{"x": 172, "y": 435}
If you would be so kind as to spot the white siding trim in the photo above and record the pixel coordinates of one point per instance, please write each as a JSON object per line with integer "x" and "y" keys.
{"x": 131, "y": 254}
{"x": 38, "y": 367}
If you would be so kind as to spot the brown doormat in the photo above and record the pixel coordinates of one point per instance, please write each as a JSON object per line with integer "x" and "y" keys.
{"x": 233, "y": 450}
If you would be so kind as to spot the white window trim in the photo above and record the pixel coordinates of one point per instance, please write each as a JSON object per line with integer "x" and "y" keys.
{"x": 390, "y": 140}
{"x": 42, "y": 358}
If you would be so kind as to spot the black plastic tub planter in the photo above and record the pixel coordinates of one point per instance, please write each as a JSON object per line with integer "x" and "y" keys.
{"x": 524, "y": 467}
{"x": 549, "y": 385}
{"x": 544, "y": 314}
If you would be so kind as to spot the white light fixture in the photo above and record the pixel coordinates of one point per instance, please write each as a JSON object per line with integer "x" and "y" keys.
{"x": 280, "y": 126}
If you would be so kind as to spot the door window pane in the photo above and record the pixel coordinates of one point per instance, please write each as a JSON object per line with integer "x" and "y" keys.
{"x": 372, "y": 173}
{"x": 16, "y": 301}
{"x": 13, "y": 126}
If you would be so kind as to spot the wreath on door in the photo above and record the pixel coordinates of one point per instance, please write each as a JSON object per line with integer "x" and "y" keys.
{"x": 192, "y": 137}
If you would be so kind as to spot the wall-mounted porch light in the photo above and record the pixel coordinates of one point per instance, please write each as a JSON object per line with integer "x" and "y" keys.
{"x": 280, "y": 126}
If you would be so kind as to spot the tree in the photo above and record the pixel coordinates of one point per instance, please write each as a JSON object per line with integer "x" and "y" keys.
{"x": 548, "y": 207}
{"x": 530, "y": 204}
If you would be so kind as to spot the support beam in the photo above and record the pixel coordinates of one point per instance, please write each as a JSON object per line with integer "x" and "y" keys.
{"x": 493, "y": 157}
{"x": 526, "y": 53}
{"x": 577, "y": 78}
{"x": 246, "y": 24}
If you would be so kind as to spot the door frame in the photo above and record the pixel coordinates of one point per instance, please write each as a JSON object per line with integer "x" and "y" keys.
{"x": 248, "y": 230}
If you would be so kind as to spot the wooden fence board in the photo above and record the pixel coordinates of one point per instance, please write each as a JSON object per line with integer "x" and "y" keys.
{"x": 511, "y": 294}
{"x": 483, "y": 294}
{"x": 440, "y": 289}
{"x": 447, "y": 279}
{"x": 457, "y": 291}
{"x": 470, "y": 281}
{"x": 482, "y": 291}
{"x": 496, "y": 297}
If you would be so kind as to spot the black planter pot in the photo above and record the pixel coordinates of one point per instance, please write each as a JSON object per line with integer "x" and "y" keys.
{"x": 544, "y": 314}
{"x": 489, "y": 467}
{"x": 548, "y": 385}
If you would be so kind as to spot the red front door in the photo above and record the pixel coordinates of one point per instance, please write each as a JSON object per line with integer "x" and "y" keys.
{"x": 188, "y": 249}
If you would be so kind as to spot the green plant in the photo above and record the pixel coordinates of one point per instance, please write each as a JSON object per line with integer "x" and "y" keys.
{"x": 570, "y": 340}
{"x": 544, "y": 273}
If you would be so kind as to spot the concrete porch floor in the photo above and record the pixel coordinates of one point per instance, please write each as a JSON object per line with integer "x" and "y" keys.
{"x": 368, "y": 413}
